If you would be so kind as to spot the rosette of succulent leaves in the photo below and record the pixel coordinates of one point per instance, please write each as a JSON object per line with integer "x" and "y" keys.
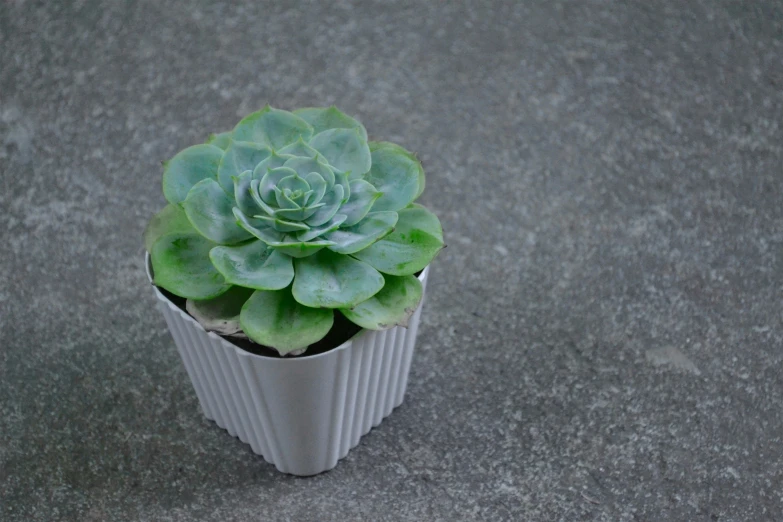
{"x": 273, "y": 226}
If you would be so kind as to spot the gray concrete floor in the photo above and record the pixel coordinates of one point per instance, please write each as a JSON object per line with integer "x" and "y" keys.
{"x": 603, "y": 336}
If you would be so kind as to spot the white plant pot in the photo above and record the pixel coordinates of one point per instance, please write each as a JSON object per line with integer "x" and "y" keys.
{"x": 301, "y": 414}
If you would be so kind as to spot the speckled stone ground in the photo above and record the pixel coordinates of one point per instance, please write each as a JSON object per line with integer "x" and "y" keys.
{"x": 603, "y": 336}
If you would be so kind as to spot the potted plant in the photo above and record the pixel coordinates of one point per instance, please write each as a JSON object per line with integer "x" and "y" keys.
{"x": 287, "y": 263}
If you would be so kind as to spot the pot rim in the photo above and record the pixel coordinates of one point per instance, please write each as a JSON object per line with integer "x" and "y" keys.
{"x": 281, "y": 360}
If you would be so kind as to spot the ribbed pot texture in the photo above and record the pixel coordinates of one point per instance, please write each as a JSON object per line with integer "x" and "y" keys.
{"x": 301, "y": 414}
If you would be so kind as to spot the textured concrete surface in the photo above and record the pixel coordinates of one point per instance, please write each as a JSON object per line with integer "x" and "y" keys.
{"x": 603, "y": 336}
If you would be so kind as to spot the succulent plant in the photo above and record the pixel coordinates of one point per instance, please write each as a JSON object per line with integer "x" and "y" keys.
{"x": 291, "y": 215}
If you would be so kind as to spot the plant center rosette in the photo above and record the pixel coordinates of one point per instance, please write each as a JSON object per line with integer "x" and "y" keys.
{"x": 290, "y": 216}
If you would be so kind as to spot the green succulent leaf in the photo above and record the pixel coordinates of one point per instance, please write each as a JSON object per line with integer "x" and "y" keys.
{"x": 283, "y": 226}
{"x": 297, "y": 214}
{"x": 293, "y": 183}
{"x": 187, "y": 168}
{"x": 361, "y": 200}
{"x": 392, "y": 306}
{"x": 181, "y": 265}
{"x": 315, "y": 232}
{"x": 416, "y": 240}
{"x": 275, "y": 319}
{"x": 272, "y": 127}
{"x": 221, "y": 140}
{"x": 291, "y": 246}
{"x": 332, "y": 201}
{"x": 220, "y": 314}
{"x": 358, "y": 237}
{"x": 266, "y": 187}
{"x": 397, "y": 174}
{"x": 266, "y": 209}
{"x": 330, "y": 280}
{"x": 318, "y": 185}
{"x": 210, "y": 211}
{"x": 284, "y": 200}
{"x": 239, "y": 157}
{"x": 325, "y": 118}
{"x": 299, "y": 148}
{"x": 243, "y": 196}
{"x": 257, "y": 228}
{"x": 341, "y": 178}
{"x": 344, "y": 149}
{"x": 274, "y": 161}
{"x": 170, "y": 220}
{"x": 304, "y": 166}
{"x": 253, "y": 265}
